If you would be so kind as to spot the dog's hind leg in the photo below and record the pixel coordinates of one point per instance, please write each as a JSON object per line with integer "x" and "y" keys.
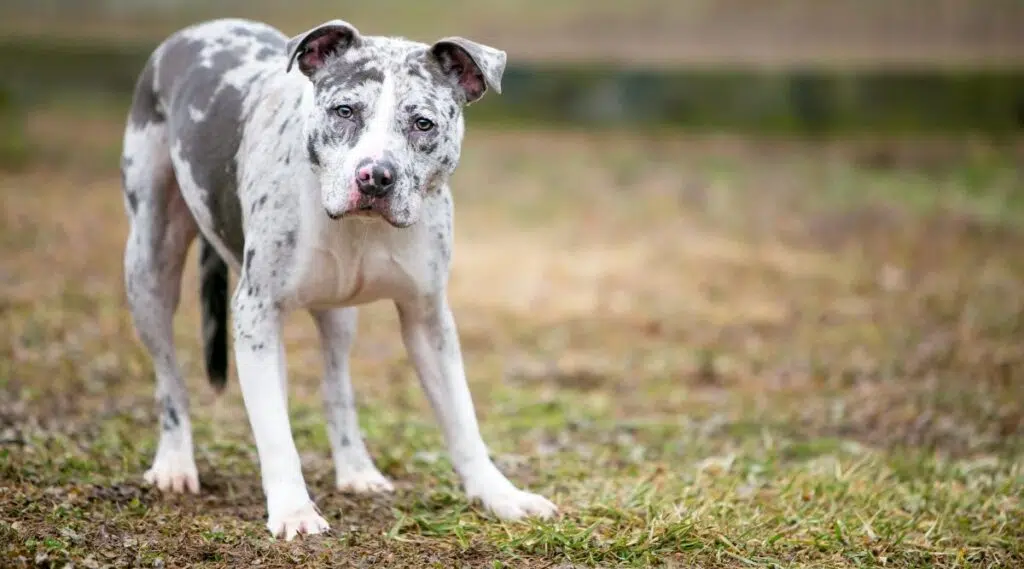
{"x": 162, "y": 228}
{"x": 353, "y": 467}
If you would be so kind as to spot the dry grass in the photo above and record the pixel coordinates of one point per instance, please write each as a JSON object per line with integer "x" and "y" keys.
{"x": 708, "y": 351}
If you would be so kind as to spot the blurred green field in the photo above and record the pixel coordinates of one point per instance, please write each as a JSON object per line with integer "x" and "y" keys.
{"x": 709, "y": 350}
{"x": 649, "y": 32}
{"x": 792, "y": 66}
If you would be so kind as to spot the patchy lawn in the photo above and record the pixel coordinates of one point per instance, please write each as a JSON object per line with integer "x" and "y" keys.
{"x": 708, "y": 351}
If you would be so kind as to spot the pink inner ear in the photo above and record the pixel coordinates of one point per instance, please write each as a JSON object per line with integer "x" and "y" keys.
{"x": 470, "y": 78}
{"x": 318, "y": 49}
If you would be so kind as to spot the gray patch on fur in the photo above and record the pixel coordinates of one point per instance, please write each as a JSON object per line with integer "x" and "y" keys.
{"x": 145, "y": 107}
{"x": 210, "y": 144}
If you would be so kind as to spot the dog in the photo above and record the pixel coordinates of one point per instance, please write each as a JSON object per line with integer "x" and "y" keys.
{"x": 317, "y": 169}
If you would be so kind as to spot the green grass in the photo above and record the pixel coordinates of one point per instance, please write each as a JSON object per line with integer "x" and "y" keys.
{"x": 710, "y": 351}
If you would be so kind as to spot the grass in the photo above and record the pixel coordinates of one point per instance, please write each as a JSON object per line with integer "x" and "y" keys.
{"x": 709, "y": 351}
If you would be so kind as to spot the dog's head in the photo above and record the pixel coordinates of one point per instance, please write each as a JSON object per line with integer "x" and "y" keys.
{"x": 386, "y": 125}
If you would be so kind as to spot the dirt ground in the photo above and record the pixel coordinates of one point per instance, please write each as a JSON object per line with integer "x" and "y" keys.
{"x": 709, "y": 351}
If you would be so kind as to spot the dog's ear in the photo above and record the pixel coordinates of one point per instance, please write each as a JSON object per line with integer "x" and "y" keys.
{"x": 472, "y": 66}
{"x": 313, "y": 47}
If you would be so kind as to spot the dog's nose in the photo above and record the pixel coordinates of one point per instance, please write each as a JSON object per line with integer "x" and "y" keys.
{"x": 376, "y": 179}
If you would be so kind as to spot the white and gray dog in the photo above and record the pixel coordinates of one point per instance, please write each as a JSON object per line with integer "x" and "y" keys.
{"x": 323, "y": 189}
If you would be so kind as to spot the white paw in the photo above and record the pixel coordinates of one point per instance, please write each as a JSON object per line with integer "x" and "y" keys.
{"x": 174, "y": 472}
{"x": 306, "y": 520}
{"x": 368, "y": 481}
{"x": 513, "y": 504}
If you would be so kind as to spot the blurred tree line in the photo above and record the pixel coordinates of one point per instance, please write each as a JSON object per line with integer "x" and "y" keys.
{"x": 805, "y": 96}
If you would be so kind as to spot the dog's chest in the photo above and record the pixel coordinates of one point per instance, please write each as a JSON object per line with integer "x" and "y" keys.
{"x": 365, "y": 262}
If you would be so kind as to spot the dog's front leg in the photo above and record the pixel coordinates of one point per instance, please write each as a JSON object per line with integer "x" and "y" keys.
{"x": 431, "y": 338}
{"x": 261, "y": 370}
{"x": 354, "y": 469}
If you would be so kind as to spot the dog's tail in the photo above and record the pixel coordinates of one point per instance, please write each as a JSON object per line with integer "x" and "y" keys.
{"x": 213, "y": 293}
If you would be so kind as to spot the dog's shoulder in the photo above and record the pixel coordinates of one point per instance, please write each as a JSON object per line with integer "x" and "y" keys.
{"x": 196, "y": 61}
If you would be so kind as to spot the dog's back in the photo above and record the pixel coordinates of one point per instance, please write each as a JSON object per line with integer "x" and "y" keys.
{"x": 188, "y": 112}
{"x": 198, "y": 81}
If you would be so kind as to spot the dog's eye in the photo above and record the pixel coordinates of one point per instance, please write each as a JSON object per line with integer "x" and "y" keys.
{"x": 424, "y": 124}
{"x": 343, "y": 111}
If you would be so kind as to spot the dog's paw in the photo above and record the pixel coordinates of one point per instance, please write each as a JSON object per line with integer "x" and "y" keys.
{"x": 306, "y": 521}
{"x": 368, "y": 481}
{"x": 513, "y": 504}
{"x": 173, "y": 472}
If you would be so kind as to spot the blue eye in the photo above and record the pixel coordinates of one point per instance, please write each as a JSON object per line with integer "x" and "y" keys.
{"x": 343, "y": 111}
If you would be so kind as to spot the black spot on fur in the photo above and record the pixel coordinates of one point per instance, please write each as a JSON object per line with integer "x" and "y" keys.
{"x": 133, "y": 201}
{"x": 258, "y": 204}
{"x": 451, "y": 112}
{"x": 169, "y": 419}
{"x": 314, "y": 156}
{"x": 290, "y": 237}
{"x": 249, "y": 254}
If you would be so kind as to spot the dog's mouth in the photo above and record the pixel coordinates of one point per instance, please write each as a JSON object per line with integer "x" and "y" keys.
{"x": 370, "y": 207}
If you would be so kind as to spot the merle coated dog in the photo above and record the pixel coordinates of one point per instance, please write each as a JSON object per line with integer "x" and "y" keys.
{"x": 317, "y": 169}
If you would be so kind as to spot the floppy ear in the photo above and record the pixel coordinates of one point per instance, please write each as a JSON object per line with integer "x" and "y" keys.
{"x": 472, "y": 66}
{"x": 313, "y": 47}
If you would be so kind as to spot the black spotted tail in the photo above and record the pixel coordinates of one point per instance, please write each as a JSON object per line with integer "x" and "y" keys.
{"x": 213, "y": 294}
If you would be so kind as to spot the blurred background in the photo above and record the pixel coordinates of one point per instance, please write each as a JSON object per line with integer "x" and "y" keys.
{"x": 728, "y": 232}
{"x": 788, "y": 65}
